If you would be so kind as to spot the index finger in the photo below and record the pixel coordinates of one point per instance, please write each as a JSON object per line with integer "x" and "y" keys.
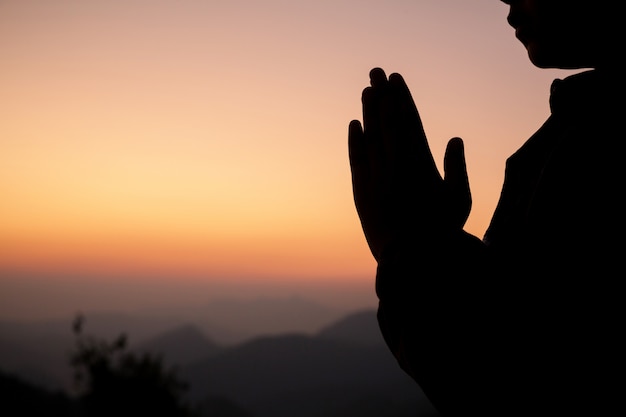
{"x": 403, "y": 124}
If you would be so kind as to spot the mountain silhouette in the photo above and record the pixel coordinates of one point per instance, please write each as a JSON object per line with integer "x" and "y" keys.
{"x": 21, "y": 398}
{"x": 38, "y": 355}
{"x": 360, "y": 327}
{"x": 307, "y": 376}
{"x": 180, "y": 346}
{"x": 266, "y": 315}
{"x": 342, "y": 369}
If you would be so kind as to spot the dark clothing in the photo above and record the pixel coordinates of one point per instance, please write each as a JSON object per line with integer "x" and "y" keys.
{"x": 530, "y": 320}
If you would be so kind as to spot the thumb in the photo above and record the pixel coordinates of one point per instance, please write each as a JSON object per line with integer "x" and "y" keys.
{"x": 457, "y": 181}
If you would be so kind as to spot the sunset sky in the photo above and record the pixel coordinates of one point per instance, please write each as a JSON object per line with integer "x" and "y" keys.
{"x": 188, "y": 142}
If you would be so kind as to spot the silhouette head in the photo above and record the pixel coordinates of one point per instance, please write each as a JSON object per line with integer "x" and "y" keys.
{"x": 568, "y": 34}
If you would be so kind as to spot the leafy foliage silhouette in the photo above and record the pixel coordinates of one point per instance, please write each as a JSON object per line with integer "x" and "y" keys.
{"x": 113, "y": 381}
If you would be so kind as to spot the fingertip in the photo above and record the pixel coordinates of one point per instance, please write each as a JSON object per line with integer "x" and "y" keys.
{"x": 454, "y": 149}
{"x": 367, "y": 93}
{"x": 355, "y": 144}
{"x": 355, "y": 125}
{"x": 377, "y": 77}
{"x": 456, "y": 142}
{"x": 396, "y": 78}
{"x": 454, "y": 155}
{"x": 355, "y": 131}
{"x": 397, "y": 81}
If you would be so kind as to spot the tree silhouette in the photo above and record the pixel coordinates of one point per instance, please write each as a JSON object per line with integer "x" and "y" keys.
{"x": 113, "y": 381}
{"x": 22, "y": 398}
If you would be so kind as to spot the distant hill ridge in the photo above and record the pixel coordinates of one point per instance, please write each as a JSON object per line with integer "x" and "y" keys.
{"x": 344, "y": 369}
{"x": 187, "y": 343}
{"x": 38, "y": 350}
{"x": 360, "y": 327}
{"x": 311, "y": 375}
{"x": 181, "y": 345}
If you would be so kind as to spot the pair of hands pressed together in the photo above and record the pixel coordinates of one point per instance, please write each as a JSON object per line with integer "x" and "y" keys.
{"x": 400, "y": 195}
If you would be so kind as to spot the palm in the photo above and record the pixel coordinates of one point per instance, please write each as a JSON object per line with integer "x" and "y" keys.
{"x": 398, "y": 189}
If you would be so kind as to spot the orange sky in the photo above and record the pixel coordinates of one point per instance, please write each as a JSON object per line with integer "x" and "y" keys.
{"x": 207, "y": 139}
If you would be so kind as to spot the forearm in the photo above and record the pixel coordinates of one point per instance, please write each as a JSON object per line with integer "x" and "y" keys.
{"x": 433, "y": 310}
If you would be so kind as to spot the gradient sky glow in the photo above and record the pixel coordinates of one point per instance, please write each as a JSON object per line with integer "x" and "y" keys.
{"x": 208, "y": 139}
